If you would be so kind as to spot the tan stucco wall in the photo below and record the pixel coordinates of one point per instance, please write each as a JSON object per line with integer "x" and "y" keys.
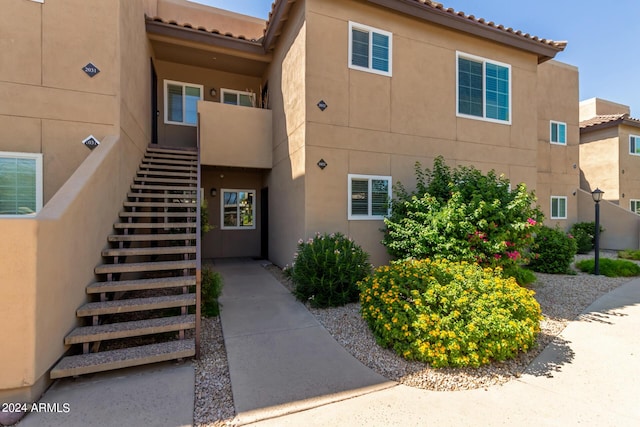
{"x": 599, "y": 162}
{"x": 629, "y": 171}
{"x": 177, "y": 135}
{"x": 286, "y": 182}
{"x": 598, "y": 107}
{"x": 558, "y": 165}
{"x": 381, "y": 126}
{"x": 232, "y": 135}
{"x": 43, "y": 88}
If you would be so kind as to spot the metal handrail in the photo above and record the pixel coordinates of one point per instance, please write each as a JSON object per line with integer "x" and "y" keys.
{"x": 198, "y": 250}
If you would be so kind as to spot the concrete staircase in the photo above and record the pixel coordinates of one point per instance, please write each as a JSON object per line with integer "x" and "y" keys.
{"x": 139, "y": 312}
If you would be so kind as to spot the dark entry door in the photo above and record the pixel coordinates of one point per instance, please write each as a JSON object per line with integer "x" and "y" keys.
{"x": 154, "y": 104}
{"x": 264, "y": 223}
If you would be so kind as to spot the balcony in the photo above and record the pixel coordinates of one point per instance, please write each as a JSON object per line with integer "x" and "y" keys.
{"x": 235, "y": 136}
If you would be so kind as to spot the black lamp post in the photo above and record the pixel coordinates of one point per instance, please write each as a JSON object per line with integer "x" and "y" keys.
{"x": 597, "y": 196}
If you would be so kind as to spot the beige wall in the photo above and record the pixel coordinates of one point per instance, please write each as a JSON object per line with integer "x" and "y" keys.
{"x": 599, "y": 162}
{"x": 177, "y": 135}
{"x": 232, "y": 135}
{"x": 558, "y": 165}
{"x": 49, "y": 105}
{"x": 286, "y": 182}
{"x": 629, "y": 170}
{"x": 599, "y": 107}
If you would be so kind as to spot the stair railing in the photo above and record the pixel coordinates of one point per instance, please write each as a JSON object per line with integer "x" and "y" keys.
{"x": 198, "y": 250}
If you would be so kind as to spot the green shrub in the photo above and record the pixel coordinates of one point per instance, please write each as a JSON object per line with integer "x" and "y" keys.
{"x": 584, "y": 233}
{"x": 326, "y": 270}
{"x": 461, "y": 215}
{"x": 210, "y": 291}
{"x": 630, "y": 254}
{"x": 610, "y": 267}
{"x": 448, "y": 313}
{"x": 523, "y": 276}
{"x": 552, "y": 251}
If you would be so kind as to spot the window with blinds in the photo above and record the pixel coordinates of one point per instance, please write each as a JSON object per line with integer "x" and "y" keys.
{"x": 558, "y": 133}
{"x": 369, "y": 196}
{"x": 20, "y": 183}
{"x": 558, "y": 207}
{"x": 370, "y": 49}
{"x": 181, "y": 103}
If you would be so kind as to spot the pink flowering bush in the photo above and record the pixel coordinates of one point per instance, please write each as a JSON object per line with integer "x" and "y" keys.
{"x": 462, "y": 214}
{"x": 326, "y": 270}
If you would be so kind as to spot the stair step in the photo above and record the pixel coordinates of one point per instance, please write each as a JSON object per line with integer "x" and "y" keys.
{"x": 162, "y": 250}
{"x": 167, "y": 180}
{"x": 135, "y": 304}
{"x": 136, "y": 328}
{"x": 150, "y": 166}
{"x": 139, "y": 214}
{"x": 161, "y": 187}
{"x": 150, "y": 237}
{"x": 171, "y": 151}
{"x": 134, "y": 267}
{"x": 123, "y": 358}
{"x": 167, "y": 173}
{"x": 141, "y": 284}
{"x": 153, "y": 225}
{"x": 159, "y": 205}
{"x": 169, "y": 161}
{"x": 170, "y": 196}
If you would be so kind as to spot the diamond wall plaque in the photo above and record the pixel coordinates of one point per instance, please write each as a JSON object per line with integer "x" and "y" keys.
{"x": 322, "y": 105}
{"x": 90, "y": 69}
{"x": 91, "y": 142}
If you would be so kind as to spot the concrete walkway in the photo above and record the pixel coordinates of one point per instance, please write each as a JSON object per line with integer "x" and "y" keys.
{"x": 281, "y": 360}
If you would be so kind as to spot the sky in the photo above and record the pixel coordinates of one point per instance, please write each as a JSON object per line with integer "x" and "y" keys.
{"x": 603, "y": 36}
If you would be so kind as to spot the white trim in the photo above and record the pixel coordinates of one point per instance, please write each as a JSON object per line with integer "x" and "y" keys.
{"x": 637, "y": 138}
{"x": 551, "y": 141}
{"x": 637, "y": 202}
{"x": 166, "y": 103}
{"x": 484, "y": 61}
{"x": 253, "y": 209}
{"x": 369, "y": 178}
{"x": 566, "y": 207}
{"x": 370, "y": 30}
{"x": 39, "y": 184}
{"x": 238, "y": 92}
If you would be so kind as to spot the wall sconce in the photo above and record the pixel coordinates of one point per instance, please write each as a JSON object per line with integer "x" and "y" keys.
{"x": 322, "y": 164}
{"x": 213, "y": 192}
{"x": 213, "y": 92}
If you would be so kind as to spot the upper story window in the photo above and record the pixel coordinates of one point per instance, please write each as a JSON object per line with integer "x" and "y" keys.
{"x": 483, "y": 89}
{"x": 370, "y": 49}
{"x": 181, "y": 103}
{"x": 369, "y": 196}
{"x": 558, "y": 207}
{"x": 236, "y": 97}
{"x": 558, "y": 133}
{"x": 20, "y": 183}
{"x": 634, "y": 145}
{"x": 635, "y": 206}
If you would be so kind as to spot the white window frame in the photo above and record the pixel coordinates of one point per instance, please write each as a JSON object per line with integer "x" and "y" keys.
{"x": 370, "y": 30}
{"x": 637, "y": 203}
{"x": 566, "y": 208}
{"x": 558, "y": 124}
{"x": 369, "y": 178}
{"x": 39, "y": 184}
{"x": 238, "y": 92}
{"x": 484, "y": 61}
{"x": 184, "y": 104}
{"x": 253, "y": 208}
{"x": 636, "y": 140}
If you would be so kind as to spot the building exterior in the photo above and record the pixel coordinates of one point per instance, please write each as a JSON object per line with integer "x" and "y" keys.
{"x": 304, "y": 124}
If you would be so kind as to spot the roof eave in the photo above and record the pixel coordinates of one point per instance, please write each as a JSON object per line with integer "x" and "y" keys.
{"x": 543, "y": 50}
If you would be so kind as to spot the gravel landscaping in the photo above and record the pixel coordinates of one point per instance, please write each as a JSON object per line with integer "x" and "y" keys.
{"x": 562, "y": 298}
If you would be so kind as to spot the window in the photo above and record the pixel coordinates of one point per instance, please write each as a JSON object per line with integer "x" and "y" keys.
{"x": 370, "y": 49}
{"x": 238, "y": 209}
{"x": 635, "y": 206}
{"x": 181, "y": 103}
{"x": 20, "y": 183}
{"x": 634, "y": 145}
{"x": 369, "y": 196}
{"x": 558, "y": 133}
{"x": 234, "y": 97}
{"x": 558, "y": 207}
{"x": 483, "y": 89}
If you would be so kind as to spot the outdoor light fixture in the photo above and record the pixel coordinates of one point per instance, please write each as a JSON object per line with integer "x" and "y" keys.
{"x": 597, "y": 197}
{"x": 322, "y": 164}
{"x": 213, "y": 92}
{"x": 213, "y": 192}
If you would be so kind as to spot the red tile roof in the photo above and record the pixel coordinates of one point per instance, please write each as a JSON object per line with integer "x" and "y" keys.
{"x": 608, "y": 120}
{"x": 203, "y": 29}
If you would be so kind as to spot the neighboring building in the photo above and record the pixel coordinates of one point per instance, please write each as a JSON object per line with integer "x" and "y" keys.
{"x": 304, "y": 126}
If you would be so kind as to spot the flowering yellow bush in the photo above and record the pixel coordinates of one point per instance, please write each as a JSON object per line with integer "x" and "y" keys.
{"x": 449, "y": 313}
